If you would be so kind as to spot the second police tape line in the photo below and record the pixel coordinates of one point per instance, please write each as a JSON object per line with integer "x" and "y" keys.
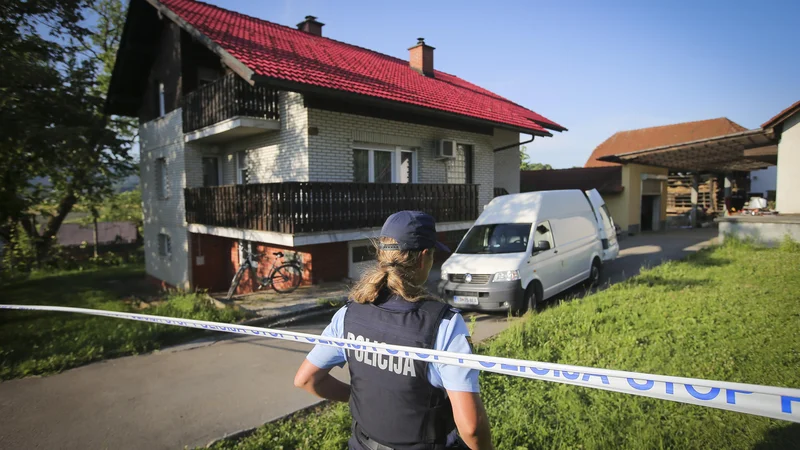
{"x": 767, "y": 401}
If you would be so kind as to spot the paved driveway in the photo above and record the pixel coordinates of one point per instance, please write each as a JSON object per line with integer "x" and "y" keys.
{"x": 192, "y": 394}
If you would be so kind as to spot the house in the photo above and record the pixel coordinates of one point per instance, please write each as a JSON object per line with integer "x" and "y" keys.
{"x": 641, "y": 196}
{"x": 258, "y": 135}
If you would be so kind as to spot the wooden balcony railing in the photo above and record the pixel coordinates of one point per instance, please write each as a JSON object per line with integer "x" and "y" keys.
{"x": 316, "y": 207}
{"x": 228, "y": 97}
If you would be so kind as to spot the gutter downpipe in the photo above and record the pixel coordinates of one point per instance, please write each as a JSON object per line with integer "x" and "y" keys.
{"x": 506, "y": 147}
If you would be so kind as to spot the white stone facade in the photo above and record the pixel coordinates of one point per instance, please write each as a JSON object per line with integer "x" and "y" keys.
{"x": 295, "y": 153}
{"x": 330, "y": 151}
{"x": 163, "y": 138}
{"x": 506, "y": 162}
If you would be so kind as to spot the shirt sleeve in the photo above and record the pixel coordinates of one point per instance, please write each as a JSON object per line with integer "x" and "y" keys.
{"x": 325, "y": 356}
{"x": 453, "y": 337}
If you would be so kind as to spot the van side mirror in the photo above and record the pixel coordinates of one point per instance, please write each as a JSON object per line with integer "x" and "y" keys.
{"x": 541, "y": 246}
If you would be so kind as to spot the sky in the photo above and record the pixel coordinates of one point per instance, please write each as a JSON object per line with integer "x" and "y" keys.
{"x": 595, "y": 67}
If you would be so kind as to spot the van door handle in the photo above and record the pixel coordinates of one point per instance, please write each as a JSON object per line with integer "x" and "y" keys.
{"x": 555, "y": 251}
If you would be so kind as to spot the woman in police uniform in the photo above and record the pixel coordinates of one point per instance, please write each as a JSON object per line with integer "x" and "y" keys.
{"x": 399, "y": 403}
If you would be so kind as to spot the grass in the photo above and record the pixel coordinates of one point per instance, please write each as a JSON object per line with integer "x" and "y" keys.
{"x": 728, "y": 313}
{"x": 39, "y": 343}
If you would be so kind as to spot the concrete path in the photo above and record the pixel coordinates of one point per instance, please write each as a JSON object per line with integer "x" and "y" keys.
{"x": 190, "y": 395}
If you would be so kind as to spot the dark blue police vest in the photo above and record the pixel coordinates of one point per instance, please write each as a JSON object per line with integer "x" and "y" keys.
{"x": 391, "y": 399}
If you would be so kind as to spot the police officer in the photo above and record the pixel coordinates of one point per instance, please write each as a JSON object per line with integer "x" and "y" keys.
{"x": 396, "y": 402}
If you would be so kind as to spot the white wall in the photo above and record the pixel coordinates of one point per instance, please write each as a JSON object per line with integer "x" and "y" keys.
{"x": 764, "y": 180}
{"x": 787, "y": 198}
{"x": 506, "y": 162}
{"x": 276, "y": 156}
{"x": 331, "y": 159}
{"x": 163, "y": 138}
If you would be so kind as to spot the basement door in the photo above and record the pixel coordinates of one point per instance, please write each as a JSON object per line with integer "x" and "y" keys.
{"x": 361, "y": 256}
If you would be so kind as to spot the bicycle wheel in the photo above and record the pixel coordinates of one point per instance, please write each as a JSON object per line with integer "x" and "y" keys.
{"x": 286, "y": 278}
{"x": 235, "y": 283}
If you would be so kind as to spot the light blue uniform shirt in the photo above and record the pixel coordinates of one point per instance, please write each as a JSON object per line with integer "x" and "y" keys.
{"x": 452, "y": 337}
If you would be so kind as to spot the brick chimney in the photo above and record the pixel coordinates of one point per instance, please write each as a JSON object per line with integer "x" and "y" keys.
{"x": 311, "y": 26}
{"x": 421, "y": 57}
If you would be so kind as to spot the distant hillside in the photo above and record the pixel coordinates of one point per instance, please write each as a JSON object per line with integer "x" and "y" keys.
{"x": 128, "y": 184}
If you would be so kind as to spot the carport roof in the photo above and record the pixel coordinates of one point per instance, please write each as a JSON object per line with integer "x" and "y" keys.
{"x": 744, "y": 151}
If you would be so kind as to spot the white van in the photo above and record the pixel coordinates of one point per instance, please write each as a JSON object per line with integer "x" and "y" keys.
{"x": 522, "y": 250}
{"x": 605, "y": 226}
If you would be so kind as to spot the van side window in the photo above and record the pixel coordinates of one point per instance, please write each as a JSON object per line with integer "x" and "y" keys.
{"x": 544, "y": 233}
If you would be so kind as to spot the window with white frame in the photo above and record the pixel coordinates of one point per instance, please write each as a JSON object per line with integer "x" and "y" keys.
{"x": 384, "y": 165}
{"x": 164, "y": 246}
{"x": 241, "y": 168}
{"x": 162, "y": 179}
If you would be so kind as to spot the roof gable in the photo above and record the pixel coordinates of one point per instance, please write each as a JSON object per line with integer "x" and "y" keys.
{"x": 276, "y": 52}
{"x": 782, "y": 116}
{"x": 645, "y": 138}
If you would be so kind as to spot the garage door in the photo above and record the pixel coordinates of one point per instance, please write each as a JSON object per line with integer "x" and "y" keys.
{"x": 361, "y": 257}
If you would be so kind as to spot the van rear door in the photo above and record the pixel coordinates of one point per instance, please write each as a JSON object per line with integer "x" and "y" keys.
{"x": 605, "y": 225}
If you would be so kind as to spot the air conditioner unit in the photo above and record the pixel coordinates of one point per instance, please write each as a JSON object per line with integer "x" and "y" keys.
{"x": 447, "y": 149}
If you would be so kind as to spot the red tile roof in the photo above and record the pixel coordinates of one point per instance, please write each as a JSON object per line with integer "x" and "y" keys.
{"x": 645, "y": 138}
{"x": 782, "y": 116}
{"x": 287, "y": 54}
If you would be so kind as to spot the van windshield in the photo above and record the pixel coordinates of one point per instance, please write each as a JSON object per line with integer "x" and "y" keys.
{"x": 496, "y": 238}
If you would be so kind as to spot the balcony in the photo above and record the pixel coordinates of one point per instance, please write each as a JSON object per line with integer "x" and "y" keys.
{"x": 229, "y": 108}
{"x": 315, "y": 207}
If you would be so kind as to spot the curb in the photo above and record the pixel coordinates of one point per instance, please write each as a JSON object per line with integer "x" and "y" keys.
{"x": 241, "y": 434}
{"x": 291, "y": 316}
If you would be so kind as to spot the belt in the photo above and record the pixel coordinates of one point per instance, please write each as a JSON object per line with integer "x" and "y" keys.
{"x": 369, "y": 443}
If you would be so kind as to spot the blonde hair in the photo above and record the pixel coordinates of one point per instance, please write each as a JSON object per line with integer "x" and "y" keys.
{"x": 395, "y": 270}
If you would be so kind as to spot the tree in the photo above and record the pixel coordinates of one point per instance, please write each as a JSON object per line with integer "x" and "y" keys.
{"x": 57, "y": 145}
{"x": 526, "y": 164}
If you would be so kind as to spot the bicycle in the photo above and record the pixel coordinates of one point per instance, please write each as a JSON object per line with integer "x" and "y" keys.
{"x": 283, "y": 279}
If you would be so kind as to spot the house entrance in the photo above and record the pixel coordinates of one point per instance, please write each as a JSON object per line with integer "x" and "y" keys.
{"x": 651, "y": 212}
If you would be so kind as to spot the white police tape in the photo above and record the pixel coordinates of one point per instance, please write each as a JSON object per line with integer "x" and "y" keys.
{"x": 767, "y": 401}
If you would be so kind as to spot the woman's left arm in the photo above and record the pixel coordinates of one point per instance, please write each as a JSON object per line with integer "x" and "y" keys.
{"x": 320, "y": 383}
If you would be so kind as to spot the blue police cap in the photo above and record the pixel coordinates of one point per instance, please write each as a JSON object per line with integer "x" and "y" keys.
{"x": 413, "y": 230}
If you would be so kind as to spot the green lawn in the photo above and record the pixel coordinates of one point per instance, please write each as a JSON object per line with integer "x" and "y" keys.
{"x": 34, "y": 342}
{"x": 729, "y": 313}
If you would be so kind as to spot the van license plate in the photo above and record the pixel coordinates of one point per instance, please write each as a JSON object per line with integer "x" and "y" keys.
{"x": 465, "y": 300}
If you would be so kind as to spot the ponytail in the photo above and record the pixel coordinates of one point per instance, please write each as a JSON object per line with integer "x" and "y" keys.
{"x": 395, "y": 271}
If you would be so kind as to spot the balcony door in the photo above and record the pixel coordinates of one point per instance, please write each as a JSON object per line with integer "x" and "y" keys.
{"x": 384, "y": 165}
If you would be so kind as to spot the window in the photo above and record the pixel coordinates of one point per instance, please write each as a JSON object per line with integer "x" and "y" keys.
{"x": 162, "y": 180}
{"x": 459, "y": 169}
{"x": 206, "y": 75}
{"x": 389, "y": 165}
{"x": 162, "y": 104}
{"x": 544, "y": 233}
{"x": 241, "y": 168}
{"x": 210, "y": 171}
{"x": 361, "y": 172}
{"x": 164, "y": 246}
{"x": 496, "y": 238}
{"x": 364, "y": 253}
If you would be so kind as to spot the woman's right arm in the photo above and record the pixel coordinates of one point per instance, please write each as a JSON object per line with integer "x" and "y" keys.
{"x": 471, "y": 419}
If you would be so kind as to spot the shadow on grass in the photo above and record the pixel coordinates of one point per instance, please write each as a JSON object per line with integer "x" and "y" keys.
{"x": 665, "y": 283}
{"x": 784, "y": 437}
{"x": 705, "y": 259}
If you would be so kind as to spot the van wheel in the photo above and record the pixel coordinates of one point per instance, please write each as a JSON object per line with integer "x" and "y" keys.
{"x": 535, "y": 299}
{"x": 595, "y": 273}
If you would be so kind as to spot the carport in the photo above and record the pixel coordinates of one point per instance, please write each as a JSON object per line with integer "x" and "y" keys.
{"x": 743, "y": 151}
